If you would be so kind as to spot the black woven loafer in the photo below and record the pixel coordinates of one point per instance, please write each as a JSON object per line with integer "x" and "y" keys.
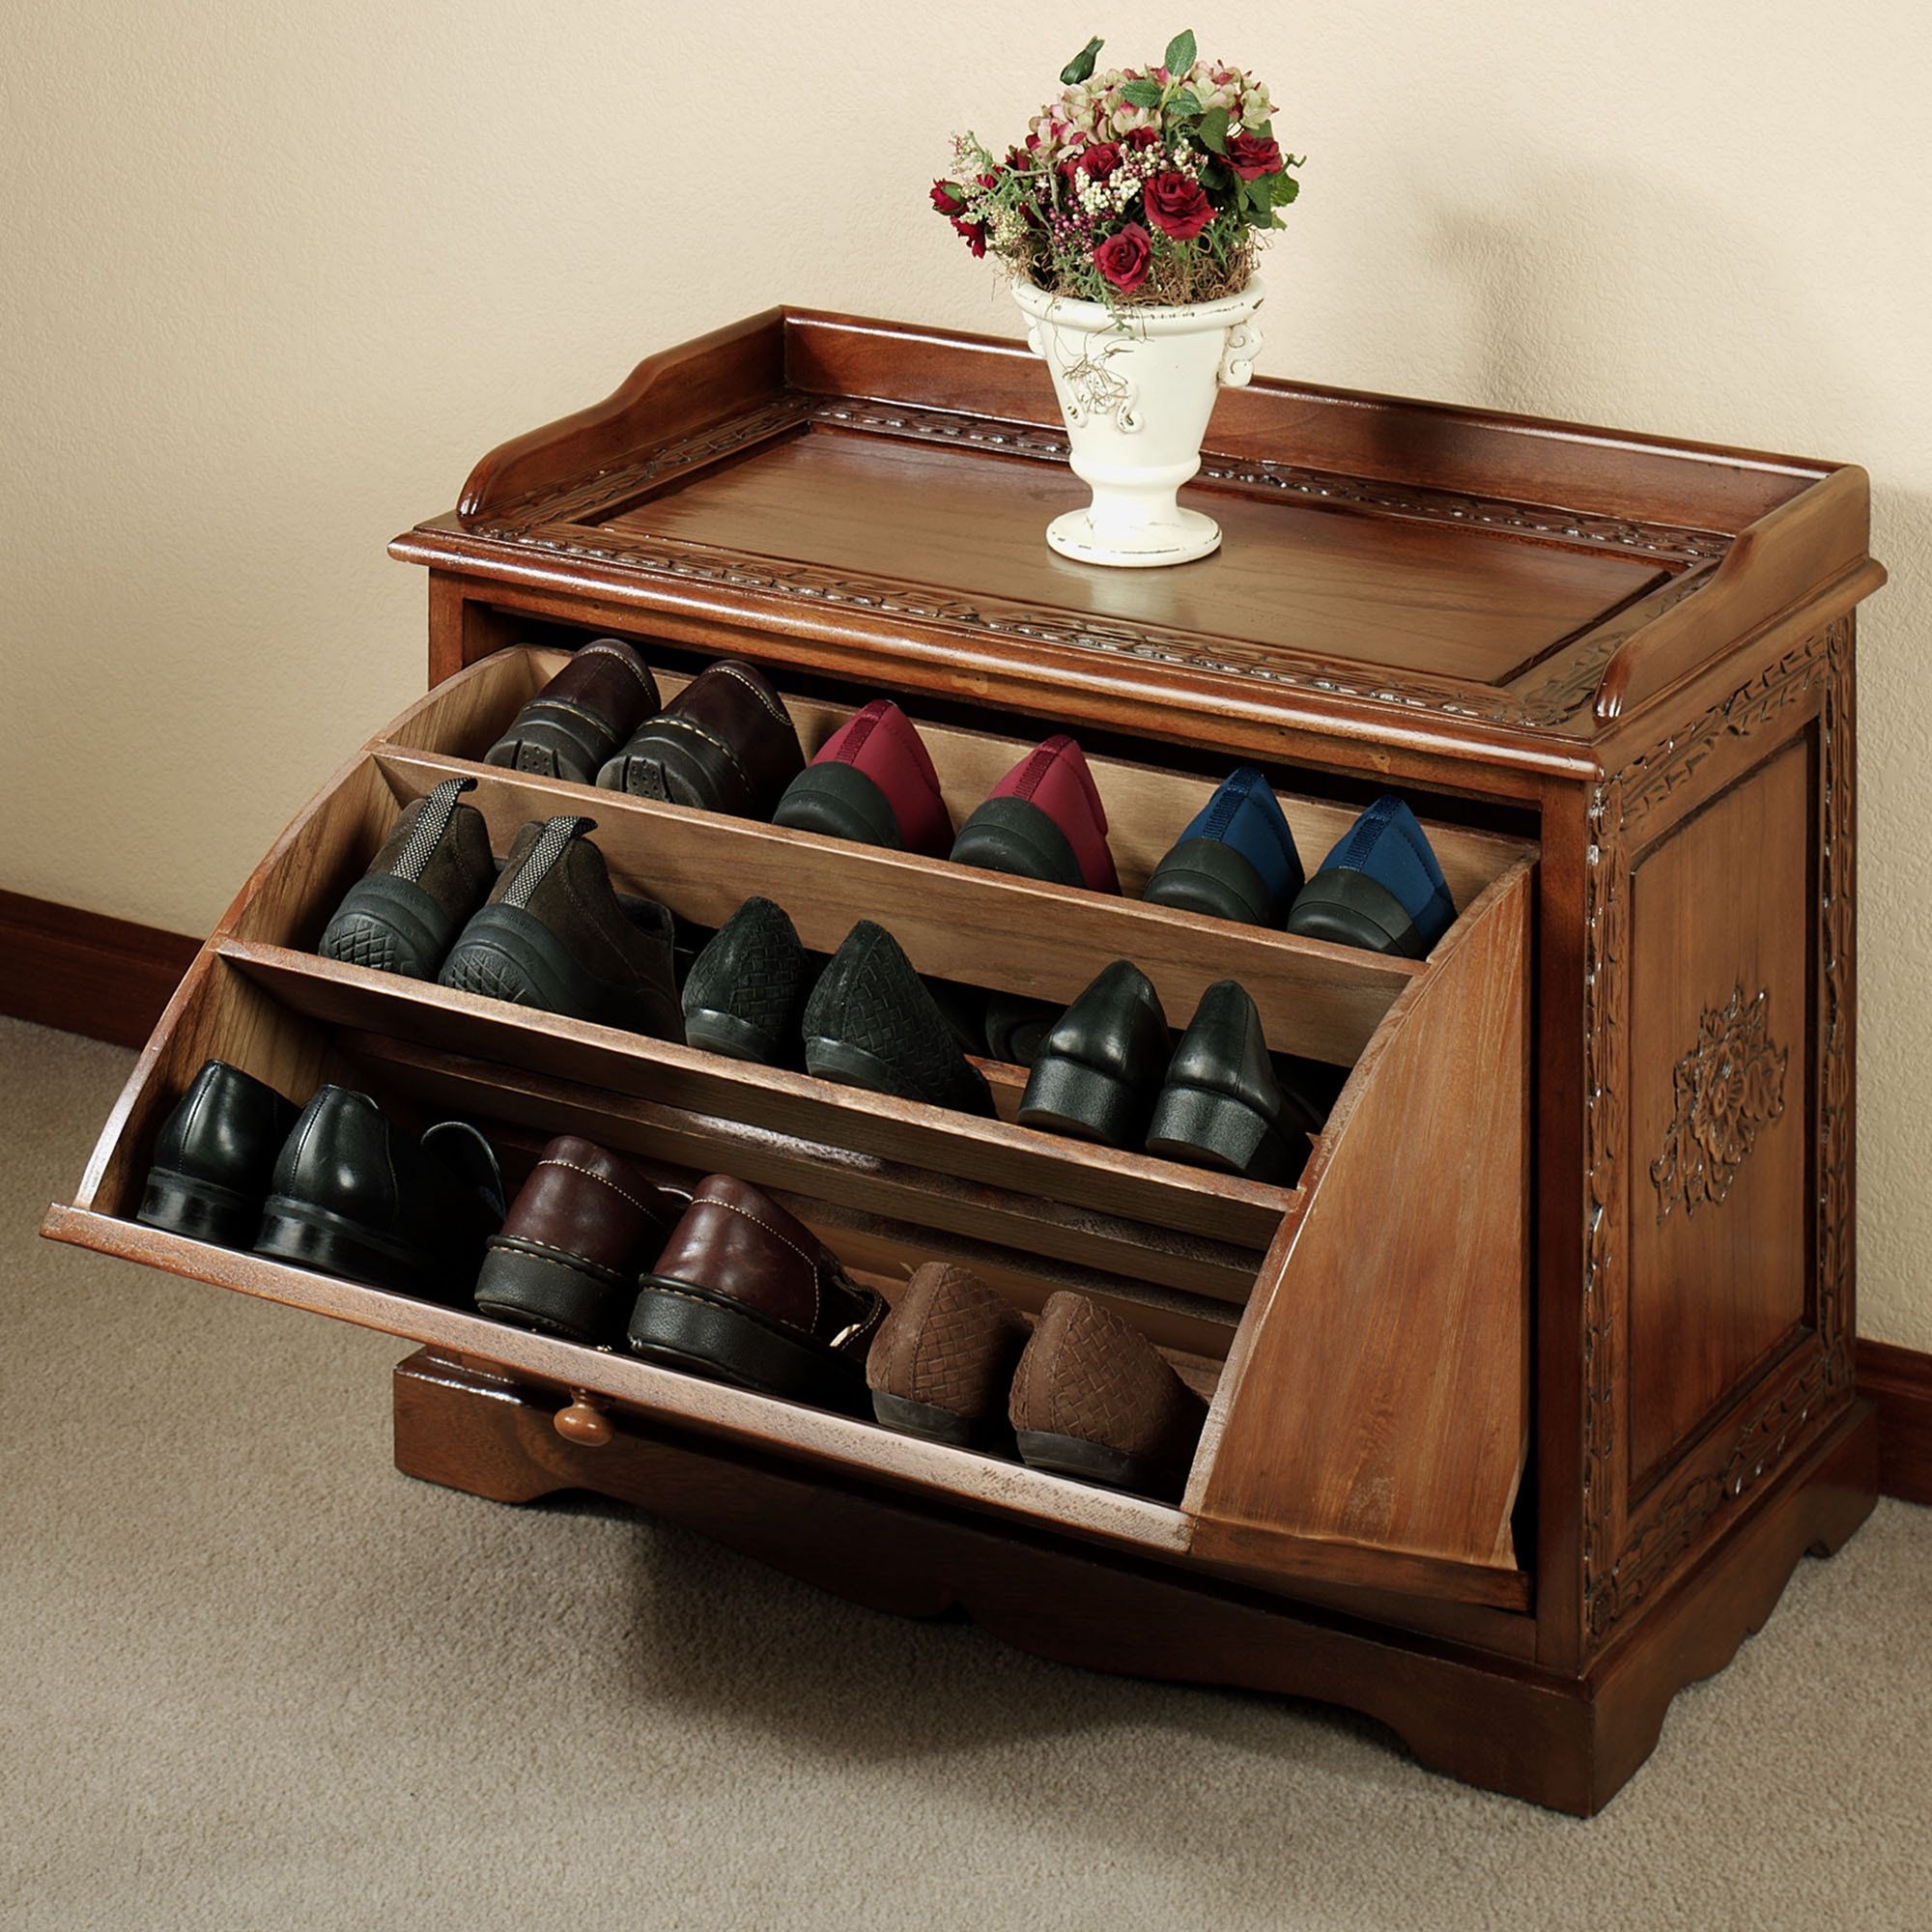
{"x": 1100, "y": 1066}
{"x": 215, "y": 1156}
{"x": 871, "y": 1022}
{"x": 353, "y": 1196}
{"x": 554, "y": 935}
{"x": 745, "y": 990}
{"x": 1221, "y": 1105}
{"x": 433, "y": 870}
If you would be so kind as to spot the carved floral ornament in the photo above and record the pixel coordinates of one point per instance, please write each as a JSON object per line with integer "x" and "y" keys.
{"x": 1727, "y": 1087}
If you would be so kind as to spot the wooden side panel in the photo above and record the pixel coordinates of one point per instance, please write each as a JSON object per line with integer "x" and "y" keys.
{"x": 1721, "y": 1012}
{"x": 1378, "y": 1393}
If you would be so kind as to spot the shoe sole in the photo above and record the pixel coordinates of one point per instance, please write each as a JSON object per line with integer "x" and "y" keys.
{"x": 552, "y": 739}
{"x": 726, "y": 1034}
{"x": 837, "y": 801}
{"x": 1349, "y": 908}
{"x": 554, "y": 1293}
{"x": 1209, "y": 1129}
{"x": 507, "y": 954}
{"x": 926, "y": 1420}
{"x": 1016, "y": 836}
{"x": 389, "y": 926}
{"x": 306, "y": 1235}
{"x": 1205, "y": 876}
{"x": 672, "y": 772}
{"x": 1067, "y": 1096}
{"x": 850, "y": 1065}
{"x": 1095, "y": 1462}
{"x": 203, "y": 1210}
{"x": 683, "y": 1327}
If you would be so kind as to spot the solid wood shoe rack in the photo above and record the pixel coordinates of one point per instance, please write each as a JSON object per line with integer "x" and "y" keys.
{"x": 1531, "y": 1392}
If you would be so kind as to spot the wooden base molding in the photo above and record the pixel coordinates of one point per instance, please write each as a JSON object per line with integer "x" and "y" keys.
{"x": 1897, "y": 1383}
{"x": 84, "y": 972}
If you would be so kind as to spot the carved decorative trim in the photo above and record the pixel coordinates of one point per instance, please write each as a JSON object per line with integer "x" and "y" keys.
{"x": 1730, "y": 1084}
{"x": 1617, "y": 1580}
{"x": 563, "y": 523}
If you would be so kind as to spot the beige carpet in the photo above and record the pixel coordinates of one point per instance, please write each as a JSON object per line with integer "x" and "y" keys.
{"x": 252, "y": 1678}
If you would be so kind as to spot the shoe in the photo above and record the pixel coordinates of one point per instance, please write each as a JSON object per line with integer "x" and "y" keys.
{"x": 1094, "y": 1398}
{"x": 1221, "y": 1104}
{"x": 943, "y": 1360}
{"x": 1236, "y": 859}
{"x": 725, "y": 743}
{"x": 1101, "y": 1063}
{"x": 873, "y": 781}
{"x": 554, "y": 935}
{"x": 578, "y": 1235}
{"x": 581, "y": 715}
{"x": 744, "y": 1293}
{"x": 1043, "y": 820}
{"x": 871, "y": 1022}
{"x": 215, "y": 1156}
{"x": 353, "y": 1196}
{"x": 1015, "y": 1027}
{"x": 1381, "y": 888}
{"x": 433, "y": 870}
{"x": 745, "y": 991}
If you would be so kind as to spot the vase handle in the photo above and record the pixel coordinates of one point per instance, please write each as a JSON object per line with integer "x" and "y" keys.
{"x": 1238, "y": 358}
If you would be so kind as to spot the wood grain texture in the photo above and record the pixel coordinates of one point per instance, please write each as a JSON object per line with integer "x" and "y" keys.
{"x": 1378, "y": 1391}
{"x": 1897, "y": 1383}
{"x": 84, "y": 972}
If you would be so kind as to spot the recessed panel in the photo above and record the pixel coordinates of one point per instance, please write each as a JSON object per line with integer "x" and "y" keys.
{"x": 1720, "y": 1014}
{"x": 1374, "y": 590}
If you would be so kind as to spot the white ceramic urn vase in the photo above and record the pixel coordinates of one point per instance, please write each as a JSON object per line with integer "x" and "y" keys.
{"x": 1136, "y": 391}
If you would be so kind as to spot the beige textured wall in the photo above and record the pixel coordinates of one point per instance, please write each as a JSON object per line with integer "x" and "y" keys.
{"x": 272, "y": 279}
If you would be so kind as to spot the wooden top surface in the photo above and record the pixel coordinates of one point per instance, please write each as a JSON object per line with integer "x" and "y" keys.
{"x": 869, "y": 488}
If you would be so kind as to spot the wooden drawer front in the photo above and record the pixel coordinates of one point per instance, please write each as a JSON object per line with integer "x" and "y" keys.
{"x": 1365, "y": 1369}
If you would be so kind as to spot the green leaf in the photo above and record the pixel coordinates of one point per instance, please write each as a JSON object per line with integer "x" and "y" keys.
{"x": 1179, "y": 55}
{"x": 1261, "y": 198}
{"x": 1141, "y": 93}
{"x": 1186, "y": 102}
{"x": 1081, "y": 66}
{"x": 1283, "y": 188}
{"x": 1215, "y": 178}
{"x": 1213, "y": 130}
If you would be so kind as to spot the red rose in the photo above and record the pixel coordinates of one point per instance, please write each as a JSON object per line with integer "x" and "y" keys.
{"x": 1251, "y": 158}
{"x": 1143, "y": 138}
{"x": 1097, "y": 160}
{"x": 975, "y": 233}
{"x": 1176, "y": 205}
{"x": 1124, "y": 258}
{"x": 948, "y": 199}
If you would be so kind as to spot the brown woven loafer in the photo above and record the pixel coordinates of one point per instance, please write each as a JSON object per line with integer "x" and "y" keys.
{"x": 1094, "y": 1398}
{"x": 943, "y": 1363}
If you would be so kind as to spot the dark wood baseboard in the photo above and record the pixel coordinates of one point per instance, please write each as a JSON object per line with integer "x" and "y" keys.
{"x": 1898, "y": 1383}
{"x": 109, "y": 978}
{"x": 84, "y": 972}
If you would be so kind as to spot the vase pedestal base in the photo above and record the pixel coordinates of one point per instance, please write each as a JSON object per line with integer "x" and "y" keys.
{"x": 1181, "y": 541}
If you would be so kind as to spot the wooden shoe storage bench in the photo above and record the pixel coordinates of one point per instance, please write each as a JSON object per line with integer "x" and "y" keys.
{"x": 1530, "y": 1393}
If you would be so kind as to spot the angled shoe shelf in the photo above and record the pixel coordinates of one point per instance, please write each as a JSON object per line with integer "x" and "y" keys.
{"x": 1526, "y": 1395}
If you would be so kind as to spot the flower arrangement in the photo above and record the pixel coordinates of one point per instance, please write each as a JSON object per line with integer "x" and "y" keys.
{"x": 1132, "y": 187}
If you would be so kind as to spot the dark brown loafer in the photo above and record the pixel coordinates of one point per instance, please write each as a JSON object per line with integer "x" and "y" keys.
{"x": 1094, "y": 1398}
{"x": 581, "y": 1229}
{"x": 581, "y": 715}
{"x": 943, "y": 1362}
{"x": 725, "y": 743}
{"x": 747, "y": 1294}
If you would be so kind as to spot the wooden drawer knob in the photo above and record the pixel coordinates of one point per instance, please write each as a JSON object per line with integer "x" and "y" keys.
{"x": 584, "y": 1423}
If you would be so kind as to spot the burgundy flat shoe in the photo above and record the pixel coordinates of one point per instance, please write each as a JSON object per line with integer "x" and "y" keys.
{"x": 872, "y": 782}
{"x": 1043, "y": 820}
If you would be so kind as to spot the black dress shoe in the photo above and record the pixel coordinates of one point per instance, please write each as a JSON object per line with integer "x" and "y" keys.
{"x": 725, "y": 743}
{"x": 871, "y": 1022}
{"x": 1221, "y": 1104}
{"x": 433, "y": 870}
{"x": 745, "y": 989}
{"x": 354, "y": 1197}
{"x": 215, "y": 1156}
{"x": 1100, "y": 1066}
{"x": 581, "y": 715}
{"x": 554, "y": 935}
